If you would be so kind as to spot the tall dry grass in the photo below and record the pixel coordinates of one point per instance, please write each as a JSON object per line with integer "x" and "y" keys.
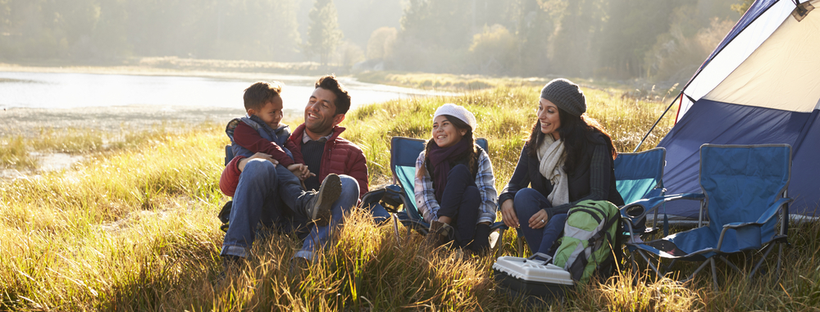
{"x": 135, "y": 229}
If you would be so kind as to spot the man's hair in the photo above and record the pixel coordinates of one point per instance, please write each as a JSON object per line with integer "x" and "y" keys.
{"x": 260, "y": 93}
{"x": 330, "y": 83}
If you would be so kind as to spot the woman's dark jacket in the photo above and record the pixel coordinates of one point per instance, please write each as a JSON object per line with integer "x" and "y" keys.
{"x": 593, "y": 178}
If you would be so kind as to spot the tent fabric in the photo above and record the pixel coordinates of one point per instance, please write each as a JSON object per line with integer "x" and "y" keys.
{"x": 735, "y": 48}
{"x": 766, "y": 78}
{"x": 760, "y": 86}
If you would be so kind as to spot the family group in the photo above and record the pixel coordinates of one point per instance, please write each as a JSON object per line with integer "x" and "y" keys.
{"x": 305, "y": 181}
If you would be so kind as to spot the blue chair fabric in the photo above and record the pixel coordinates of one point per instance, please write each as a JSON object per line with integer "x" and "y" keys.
{"x": 639, "y": 178}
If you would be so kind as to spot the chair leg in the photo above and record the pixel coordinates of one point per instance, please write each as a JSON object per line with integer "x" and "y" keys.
{"x": 409, "y": 231}
{"x": 731, "y": 265}
{"x": 396, "y": 229}
{"x": 649, "y": 262}
{"x": 635, "y": 267}
{"x": 692, "y": 276}
{"x": 714, "y": 273}
{"x": 763, "y": 258}
{"x": 779, "y": 256}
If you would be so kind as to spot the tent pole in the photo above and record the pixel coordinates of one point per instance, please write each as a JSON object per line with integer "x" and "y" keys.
{"x": 657, "y": 121}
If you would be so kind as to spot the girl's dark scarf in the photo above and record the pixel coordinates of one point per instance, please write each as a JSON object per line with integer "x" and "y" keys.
{"x": 440, "y": 159}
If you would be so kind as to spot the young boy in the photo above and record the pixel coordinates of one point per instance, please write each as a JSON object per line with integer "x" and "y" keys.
{"x": 260, "y": 132}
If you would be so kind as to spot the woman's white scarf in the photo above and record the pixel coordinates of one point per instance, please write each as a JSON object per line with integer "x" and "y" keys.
{"x": 551, "y": 154}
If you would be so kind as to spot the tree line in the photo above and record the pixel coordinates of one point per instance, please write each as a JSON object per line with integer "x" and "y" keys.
{"x": 618, "y": 39}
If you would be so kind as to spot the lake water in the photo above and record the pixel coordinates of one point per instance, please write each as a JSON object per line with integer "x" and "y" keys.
{"x": 72, "y": 90}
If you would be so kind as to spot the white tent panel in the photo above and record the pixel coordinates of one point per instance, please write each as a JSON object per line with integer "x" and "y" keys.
{"x": 783, "y": 73}
{"x": 736, "y": 52}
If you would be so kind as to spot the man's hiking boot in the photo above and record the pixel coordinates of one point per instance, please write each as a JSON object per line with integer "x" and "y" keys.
{"x": 319, "y": 204}
{"x": 231, "y": 265}
{"x": 298, "y": 268}
{"x": 232, "y": 262}
{"x": 438, "y": 234}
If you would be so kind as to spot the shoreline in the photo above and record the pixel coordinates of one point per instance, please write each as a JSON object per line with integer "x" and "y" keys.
{"x": 147, "y": 71}
{"x": 25, "y": 121}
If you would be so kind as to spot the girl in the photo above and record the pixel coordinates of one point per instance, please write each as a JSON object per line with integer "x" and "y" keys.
{"x": 454, "y": 182}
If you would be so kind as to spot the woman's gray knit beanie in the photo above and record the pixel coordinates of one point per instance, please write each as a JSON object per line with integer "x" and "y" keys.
{"x": 566, "y": 95}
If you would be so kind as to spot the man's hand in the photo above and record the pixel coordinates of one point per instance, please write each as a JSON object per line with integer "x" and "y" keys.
{"x": 306, "y": 173}
{"x": 244, "y": 161}
{"x": 300, "y": 171}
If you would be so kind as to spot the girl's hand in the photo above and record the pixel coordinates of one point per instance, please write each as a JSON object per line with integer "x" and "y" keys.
{"x": 508, "y": 214}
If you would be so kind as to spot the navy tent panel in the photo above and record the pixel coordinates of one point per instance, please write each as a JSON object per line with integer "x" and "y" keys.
{"x": 721, "y": 123}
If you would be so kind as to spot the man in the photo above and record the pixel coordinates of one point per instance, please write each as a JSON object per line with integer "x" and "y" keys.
{"x": 260, "y": 196}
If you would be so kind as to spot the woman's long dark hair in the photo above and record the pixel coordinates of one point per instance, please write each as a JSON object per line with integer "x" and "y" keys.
{"x": 472, "y": 153}
{"x": 580, "y": 134}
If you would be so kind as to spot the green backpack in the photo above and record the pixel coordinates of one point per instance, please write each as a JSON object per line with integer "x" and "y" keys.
{"x": 589, "y": 238}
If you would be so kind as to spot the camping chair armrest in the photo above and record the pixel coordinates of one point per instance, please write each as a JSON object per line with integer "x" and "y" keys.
{"x": 649, "y": 204}
{"x": 499, "y": 226}
{"x": 773, "y": 209}
{"x": 770, "y": 212}
{"x": 694, "y": 196}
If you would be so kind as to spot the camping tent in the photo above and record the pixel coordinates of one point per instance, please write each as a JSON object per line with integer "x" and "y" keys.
{"x": 760, "y": 85}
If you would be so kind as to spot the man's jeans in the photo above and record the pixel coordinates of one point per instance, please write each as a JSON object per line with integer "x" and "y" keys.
{"x": 270, "y": 195}
{"x": 527, "y": 202}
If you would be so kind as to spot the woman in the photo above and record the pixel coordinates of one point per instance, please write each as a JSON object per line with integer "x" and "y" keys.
{"x": 568, "y": 158}
{"x": 454, "y": 182}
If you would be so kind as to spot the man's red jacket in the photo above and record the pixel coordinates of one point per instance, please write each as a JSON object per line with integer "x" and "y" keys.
{"x": 340, "y": 157}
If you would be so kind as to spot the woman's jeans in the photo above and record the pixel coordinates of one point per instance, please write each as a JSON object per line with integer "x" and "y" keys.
{"x": 527, "y": 202}
{"x": 460, "y": 202}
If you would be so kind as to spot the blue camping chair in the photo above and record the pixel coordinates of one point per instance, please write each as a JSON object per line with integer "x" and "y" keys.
{"x": 403, "y": 154}
{"x": 639, "y": 177}
{"x": 744, "y": 189}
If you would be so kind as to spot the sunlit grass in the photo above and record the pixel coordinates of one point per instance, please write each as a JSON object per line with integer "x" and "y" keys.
{"x": 505, "y": 116}
{"x": 14, "y": 153}
{"x": 134, "y": 228}
{"x": 118, "y": 230}
{"x": 24, "y": 152}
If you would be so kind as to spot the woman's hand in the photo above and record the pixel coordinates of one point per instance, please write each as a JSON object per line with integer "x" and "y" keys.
{"x": 508, "y": 214}
{"x": 539, "y": 219}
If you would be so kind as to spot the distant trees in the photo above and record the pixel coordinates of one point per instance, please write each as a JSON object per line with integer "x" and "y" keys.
{"x": 616, "y": 39}
{"x": 494, "y": 50}
{"x": 742, "y": 6}
{"x": 631, "y": 30}
{"x": 380, "y": 45}
{"x": 323, "y": 31}
{"x": 111, "y": 29}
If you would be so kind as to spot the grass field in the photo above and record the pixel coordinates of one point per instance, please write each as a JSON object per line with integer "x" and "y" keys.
{"x": 134, "y": 228}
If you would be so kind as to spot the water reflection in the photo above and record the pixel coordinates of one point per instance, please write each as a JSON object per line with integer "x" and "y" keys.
{"x": 71, "y": 90}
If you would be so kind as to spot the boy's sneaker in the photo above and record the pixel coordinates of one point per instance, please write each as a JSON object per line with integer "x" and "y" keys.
{"x": 318, "y": 207}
